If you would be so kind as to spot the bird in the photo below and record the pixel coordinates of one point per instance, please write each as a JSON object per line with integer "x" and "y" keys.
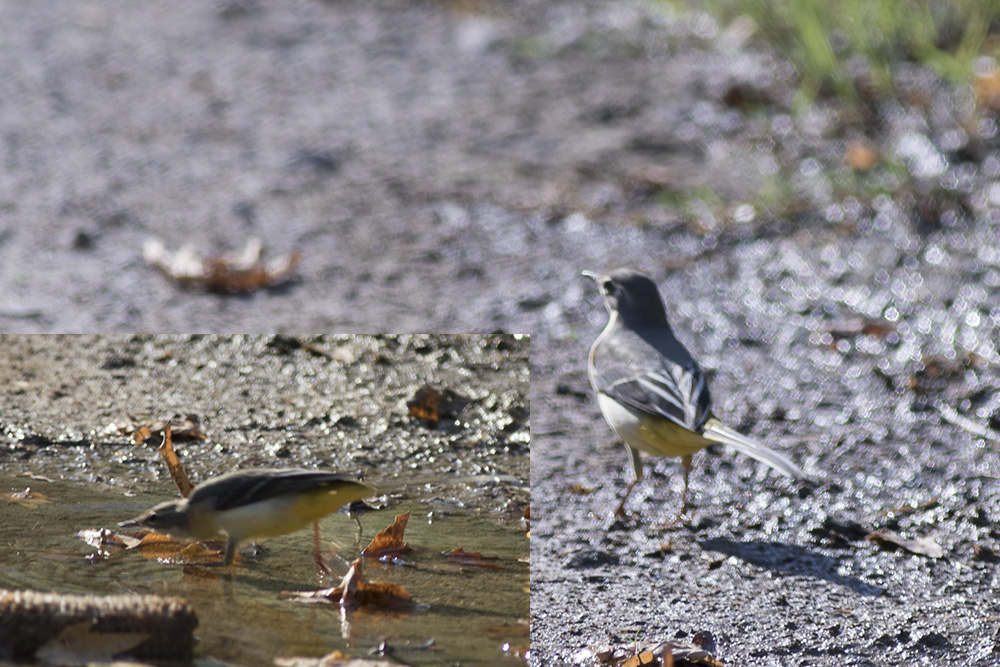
{"x": 256, "y": 503}
{"x": 650, "y": 389}
{"x": 252, "y": 504}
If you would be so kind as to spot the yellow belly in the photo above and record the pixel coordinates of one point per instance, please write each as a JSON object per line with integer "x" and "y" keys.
{"x": 652, "y": 435}
{"x": 279, "y": 515}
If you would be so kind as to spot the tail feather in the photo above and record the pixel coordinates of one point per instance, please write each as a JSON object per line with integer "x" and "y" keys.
{"x": 716, "y": 431}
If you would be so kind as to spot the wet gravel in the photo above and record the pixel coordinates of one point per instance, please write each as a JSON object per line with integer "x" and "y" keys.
{"x": 448, "y": 169}
{"x": 334, "y": 402}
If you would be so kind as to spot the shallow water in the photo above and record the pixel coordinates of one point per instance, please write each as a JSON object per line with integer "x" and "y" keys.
{"x": 467, "y": 614}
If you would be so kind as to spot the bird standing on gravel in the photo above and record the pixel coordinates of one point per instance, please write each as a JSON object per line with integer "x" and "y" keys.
{"x": 650, "y": 389}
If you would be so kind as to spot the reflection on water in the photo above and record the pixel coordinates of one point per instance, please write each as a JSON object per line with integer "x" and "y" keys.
{"x": 464, "y": 614}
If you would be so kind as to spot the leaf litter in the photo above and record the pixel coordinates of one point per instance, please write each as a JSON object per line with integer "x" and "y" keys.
{"x": 232, "y": 273}
{"x": 654, "y": 654}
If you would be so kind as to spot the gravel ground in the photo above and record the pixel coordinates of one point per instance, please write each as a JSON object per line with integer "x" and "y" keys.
{"x": 447, "y": 166}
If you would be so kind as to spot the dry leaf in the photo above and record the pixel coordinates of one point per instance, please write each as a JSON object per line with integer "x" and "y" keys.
{"x": 246, "y": 271}
{"x": 648, "y": 653}
{"x": 174, "y": 465}
{"x": 27, "y": 498}
{"x": 580, "y": 489}
{"x": 474, "y": 558}
{"x": 434, "y": 404}
{"x": 890, "y": 541}
{"x": 389, "y": 542}
{"x": 187, "y": 429}
{"x": 355, "y": 591}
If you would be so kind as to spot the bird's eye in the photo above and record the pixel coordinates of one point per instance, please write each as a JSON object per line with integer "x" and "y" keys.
{"x": 609, "y": 287}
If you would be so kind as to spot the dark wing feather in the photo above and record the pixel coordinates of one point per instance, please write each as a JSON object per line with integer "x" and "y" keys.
{"x": 234, "y": 489}
{"x": 654, "y": 374}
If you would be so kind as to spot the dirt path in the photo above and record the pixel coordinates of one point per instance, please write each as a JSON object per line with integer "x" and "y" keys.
{"x": 443, "y": 169}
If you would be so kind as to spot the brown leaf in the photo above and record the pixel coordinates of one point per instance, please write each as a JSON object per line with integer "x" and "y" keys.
{"x": 580, "y": 489}
{"x": 174, "y": 465}
{"x": 649, "y": 653}
{"x": 153, "y": 546}
{"x": 187, "y": 429}
{"x": 355, "y": 591}
{"x": 890, "y": 541}
{"x": 474, "y": 558}
{"x": 433, "y": 403}
{"x": 389, "y": 542}
{"x": 246, "y": 271}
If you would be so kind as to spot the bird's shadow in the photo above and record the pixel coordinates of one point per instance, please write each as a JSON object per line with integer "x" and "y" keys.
{"x": 792, "y": 559}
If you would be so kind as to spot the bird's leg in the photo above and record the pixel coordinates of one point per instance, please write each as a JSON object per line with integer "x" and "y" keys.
{"x": 686, "y": 462}
{"x": 637, "y": 469}
{"x": 682, "y": 518}
{"x": 321, "y": 567}
{"x": 227, "y": 560}
{"x": 620, "y": 512}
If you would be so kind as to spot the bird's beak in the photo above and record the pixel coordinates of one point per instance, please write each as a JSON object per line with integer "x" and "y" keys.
{"x": 592, "y": 275}
{"x": 131, "y": 523}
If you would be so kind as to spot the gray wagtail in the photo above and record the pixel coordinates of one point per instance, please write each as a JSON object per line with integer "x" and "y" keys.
{"x": 251, "y": 504}
{"x": 650, "y": 389}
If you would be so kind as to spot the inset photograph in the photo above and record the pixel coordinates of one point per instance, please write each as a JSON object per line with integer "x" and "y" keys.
{"x": 262, "y": 500}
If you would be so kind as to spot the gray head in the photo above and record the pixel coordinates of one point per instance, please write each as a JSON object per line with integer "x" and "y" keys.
{"x": 169, "y": 518}
{"x": 632, "y": 295}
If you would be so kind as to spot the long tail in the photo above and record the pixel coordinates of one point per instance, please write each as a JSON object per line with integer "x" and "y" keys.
{"x": 716, "y": 431}
{"x": 399, "y": 483}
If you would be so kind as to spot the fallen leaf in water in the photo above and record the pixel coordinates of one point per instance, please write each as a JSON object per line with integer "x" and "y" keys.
{"x": 245, "y": 271}
{"x": 108, "y": 541}
{"x": 80, "y": 644}
{"x": 27, "y": 498}
{"x": 153, "y": 546}
{"x": 473, "y": 558}
{"x": 389, "y": 542}
{"x": 890, "y": 541}
{"x": 433, "y": 404}
{"x": 355, "y": 591}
